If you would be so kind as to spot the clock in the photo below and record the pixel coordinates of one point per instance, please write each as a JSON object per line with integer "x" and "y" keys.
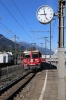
{"x": 44, "y": 14}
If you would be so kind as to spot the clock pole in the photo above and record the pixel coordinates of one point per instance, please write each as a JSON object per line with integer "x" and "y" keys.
{"x": 50, "y": 44}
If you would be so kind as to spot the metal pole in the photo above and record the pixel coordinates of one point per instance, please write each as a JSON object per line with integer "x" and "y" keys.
{"x": 15, "y": 49}
{"x": 20, "y": 50}
{"x": 20, "y": 53}
{"x": 45, "y": 46}
{"x": 34, "y": 44}
{"x": 61, "y": 62}
{"x": 50, "y": 44}
{"x": 61, "y": 58}
{"x": 7, "y": 71}
{"x": 41, "y": 46}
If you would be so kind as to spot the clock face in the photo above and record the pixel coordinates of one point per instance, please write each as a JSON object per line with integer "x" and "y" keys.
{"x": 45, "y": 14}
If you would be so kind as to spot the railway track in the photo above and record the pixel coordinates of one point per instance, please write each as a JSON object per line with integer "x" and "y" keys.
{"x": 9, "y": 92}
{"x": 10, "y": 74}
{"x": 8, "y": 70}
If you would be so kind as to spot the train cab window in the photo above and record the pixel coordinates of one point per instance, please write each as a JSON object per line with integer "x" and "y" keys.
{"x": 39, "y": 54}
{"x": 35, "y": 55}
{"x": 26, "y": 55}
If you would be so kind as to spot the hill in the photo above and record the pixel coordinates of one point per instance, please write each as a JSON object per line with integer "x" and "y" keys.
{"x": 8, "y": 45}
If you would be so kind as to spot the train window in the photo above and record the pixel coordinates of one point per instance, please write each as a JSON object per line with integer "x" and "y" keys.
{"x": 35, "y": 55}
{"x": 26, "y": 56}
{"x": 39, "y": 54}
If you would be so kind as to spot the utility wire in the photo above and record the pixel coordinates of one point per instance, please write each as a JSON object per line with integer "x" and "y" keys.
{"x": 21, "y": 14}
{"x": 6, "y": 28}
{"x": 7, "y": 31}
{"x": 15, "y": 20}
{"x": 24, "y": 18}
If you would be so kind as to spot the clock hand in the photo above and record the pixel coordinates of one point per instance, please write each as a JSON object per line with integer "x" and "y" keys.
{"x": 45, "y": 15}
{"x": 42, "y": 14}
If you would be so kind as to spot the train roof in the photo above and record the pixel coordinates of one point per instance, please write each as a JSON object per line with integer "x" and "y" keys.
{"x": 26, "y": 51}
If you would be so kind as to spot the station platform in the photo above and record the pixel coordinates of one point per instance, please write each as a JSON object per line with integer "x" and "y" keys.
{"x": 46, "y": 87}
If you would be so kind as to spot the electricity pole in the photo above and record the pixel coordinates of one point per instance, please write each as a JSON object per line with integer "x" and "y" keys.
{"x": 61, "y": 60}
{"x": 20, "y": 51}
{"x": 15, "y": 49}
{"x": 61, "y": 57}
{"x": 15, "y": 60}
{"x": 41, "y": 46}
{"x": 45, "y": 44}
{"x": 34, "y": 44}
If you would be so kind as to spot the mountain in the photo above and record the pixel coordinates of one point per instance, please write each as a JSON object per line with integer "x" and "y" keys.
{"x": 8, "y": 45}
{"x": 42, "y": 50}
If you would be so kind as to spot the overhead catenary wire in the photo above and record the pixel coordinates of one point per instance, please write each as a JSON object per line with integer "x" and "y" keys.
{"x": 24, "y": 18}
{"x": 15, "y": 19}
{"x": 6, "y": 28}
{"x": 8, "y": 31}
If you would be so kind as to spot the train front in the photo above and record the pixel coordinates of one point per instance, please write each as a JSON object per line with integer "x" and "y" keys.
{"x": 35, "y": 62}
{"x": 32, "y": 60}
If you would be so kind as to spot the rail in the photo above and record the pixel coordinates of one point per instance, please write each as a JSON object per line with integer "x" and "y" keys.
{"x": 11, "y": 90}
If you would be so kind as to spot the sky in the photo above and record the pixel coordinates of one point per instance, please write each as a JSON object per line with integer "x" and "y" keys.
{"x": 18, "y": 17}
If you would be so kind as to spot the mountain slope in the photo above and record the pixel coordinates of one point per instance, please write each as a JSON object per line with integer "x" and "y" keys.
{"x": 8, "y": 45}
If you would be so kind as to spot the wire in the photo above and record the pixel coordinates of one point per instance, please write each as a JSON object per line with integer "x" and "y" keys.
{"x": 6, "y": 28}
{"x": 15, "y": 20}
{"x": 24, "y": 18}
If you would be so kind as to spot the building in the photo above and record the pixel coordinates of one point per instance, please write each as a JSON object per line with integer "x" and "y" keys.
{"x": 5, "y": 57}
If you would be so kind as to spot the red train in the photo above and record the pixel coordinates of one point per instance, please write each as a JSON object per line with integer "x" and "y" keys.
{"x": 32, "y": 59}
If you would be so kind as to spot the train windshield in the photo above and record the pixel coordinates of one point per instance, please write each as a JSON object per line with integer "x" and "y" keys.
{"x": 35, "y": 55}
{"x": 26, "y": 55}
